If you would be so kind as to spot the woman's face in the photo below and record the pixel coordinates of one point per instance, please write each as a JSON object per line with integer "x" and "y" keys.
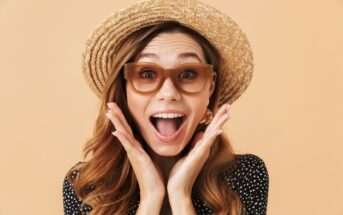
{"x": 166, "y": 50}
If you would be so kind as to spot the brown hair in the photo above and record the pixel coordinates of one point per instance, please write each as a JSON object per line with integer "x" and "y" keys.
{"x": 107, "y": 181}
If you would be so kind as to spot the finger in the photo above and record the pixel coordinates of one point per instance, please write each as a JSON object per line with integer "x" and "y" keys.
{"x": 133, "y": 141}
{"x": 216, "y": 125}
{"x": 113, "y": 106}
{"x": 222, "y": 110}
{"x": 208, "y": 141}
{"x": 205, "y": 140}
{"x": 116, "y": 122}
{"x": 221, "y": 121}
{"x": 196, "y": 139}
{"x": 119, "y": 127}
{"x": 135, "y": 151}
{"x": 132, "y": 152}
{"x": 202, "y": 148}
{"x": 128, "y": 142}
{"x": 122, "y": 117}
{"x": 123, "y": 140}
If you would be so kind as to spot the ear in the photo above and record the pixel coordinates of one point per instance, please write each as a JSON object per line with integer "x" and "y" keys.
{"x": 213, "y": 83}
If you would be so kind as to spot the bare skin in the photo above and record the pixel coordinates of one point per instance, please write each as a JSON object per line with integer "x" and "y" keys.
{"x": 164, "y": 179}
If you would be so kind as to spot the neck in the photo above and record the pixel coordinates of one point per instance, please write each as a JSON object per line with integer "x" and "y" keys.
{"x": 165, "y": 163}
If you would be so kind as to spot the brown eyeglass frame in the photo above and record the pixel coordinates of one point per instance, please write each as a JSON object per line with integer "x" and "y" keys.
{"x": 207, "y": 68}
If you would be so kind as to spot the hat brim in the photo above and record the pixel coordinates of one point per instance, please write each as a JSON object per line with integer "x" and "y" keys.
{"x": 218, "y": 28}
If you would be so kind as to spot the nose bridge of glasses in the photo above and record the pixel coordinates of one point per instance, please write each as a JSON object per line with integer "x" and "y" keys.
{"x": 169, "y": 74}
{"x": 169, "y": 78}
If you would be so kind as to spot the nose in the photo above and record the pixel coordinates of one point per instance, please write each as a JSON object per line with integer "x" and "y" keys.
{"x": 168, "y": 91}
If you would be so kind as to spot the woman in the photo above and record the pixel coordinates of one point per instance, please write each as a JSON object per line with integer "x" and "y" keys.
{"x": 163, "y": 89}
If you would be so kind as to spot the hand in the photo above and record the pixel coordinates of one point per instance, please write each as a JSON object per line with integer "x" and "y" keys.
{"x": 185, "y": 171}
{"x": 149, "y": 175}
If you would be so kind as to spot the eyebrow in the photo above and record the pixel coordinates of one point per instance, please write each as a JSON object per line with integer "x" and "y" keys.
{"x": 183, "y": 55}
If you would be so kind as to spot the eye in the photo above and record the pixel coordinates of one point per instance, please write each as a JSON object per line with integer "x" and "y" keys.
{"x": 147, "y": 74}
{"x": 188, "y": 74}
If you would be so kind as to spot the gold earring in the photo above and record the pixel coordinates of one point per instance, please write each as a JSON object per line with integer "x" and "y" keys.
{"x": 207, "y": 117}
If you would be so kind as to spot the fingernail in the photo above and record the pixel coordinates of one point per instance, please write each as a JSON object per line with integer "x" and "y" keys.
{"x": 219, "y": 132}
{"x": 228, "y": 107}
{"x": 108, "y": 114}
{"x": 227, "y": 117}
{"x": 114, "y": 133}
{"x": 108, "y": 105}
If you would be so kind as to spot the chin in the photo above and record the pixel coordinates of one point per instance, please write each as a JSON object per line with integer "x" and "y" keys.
{"x": 166, "y": 151}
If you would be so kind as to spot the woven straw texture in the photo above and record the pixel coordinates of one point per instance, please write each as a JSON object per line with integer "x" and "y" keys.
{"x": 217, "y": 27}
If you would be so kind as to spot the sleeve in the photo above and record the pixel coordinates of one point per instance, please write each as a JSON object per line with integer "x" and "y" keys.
{"x": 71, "y": 202}
{"x": 249, "y": 178}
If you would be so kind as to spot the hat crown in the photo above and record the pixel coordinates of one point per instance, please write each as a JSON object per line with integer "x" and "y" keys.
{"x": 217, "y": 27}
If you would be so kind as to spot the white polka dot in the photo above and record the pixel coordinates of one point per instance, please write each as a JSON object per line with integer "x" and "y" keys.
{"x": 247, "y": 175}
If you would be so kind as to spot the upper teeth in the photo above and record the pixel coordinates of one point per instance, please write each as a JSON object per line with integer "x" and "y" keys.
{"x": 168, "y": 115}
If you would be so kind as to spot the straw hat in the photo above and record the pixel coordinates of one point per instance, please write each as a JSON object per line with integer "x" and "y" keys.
{"x": 219, "y": 29}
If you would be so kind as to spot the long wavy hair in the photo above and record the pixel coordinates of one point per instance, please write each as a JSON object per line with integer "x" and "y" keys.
{"x": 106, "y": 180}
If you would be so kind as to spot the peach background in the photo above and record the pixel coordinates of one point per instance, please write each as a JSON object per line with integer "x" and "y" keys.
{"x": 291, "y": 115}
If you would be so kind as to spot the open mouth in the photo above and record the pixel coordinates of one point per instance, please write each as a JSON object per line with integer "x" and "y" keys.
{"x": 167, "y": 126}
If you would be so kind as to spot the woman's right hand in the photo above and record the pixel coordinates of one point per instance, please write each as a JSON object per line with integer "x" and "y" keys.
{"x": 149, "y": 176}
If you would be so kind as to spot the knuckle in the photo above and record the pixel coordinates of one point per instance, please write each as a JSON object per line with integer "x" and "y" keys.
{"x": 113, "y": 113}
{"x": 140, "y": 158}
{"x": 116, "y": 111}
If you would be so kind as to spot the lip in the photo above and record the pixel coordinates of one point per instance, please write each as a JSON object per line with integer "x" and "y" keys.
{"x": 175, "y": 135}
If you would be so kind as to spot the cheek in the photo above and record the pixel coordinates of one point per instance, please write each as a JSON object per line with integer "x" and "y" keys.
{"x": 198, "y": 106}
{"x": 136, "y": 105}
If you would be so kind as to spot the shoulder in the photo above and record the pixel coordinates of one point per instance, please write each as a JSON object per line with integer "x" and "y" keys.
{"x": 73, "y": 172}
{"x": 248, "y": 176}
{"x": 71, "y": 202}
{"x": 247, "y": 164}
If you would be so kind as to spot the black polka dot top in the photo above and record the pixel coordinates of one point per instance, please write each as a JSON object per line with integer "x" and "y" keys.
{"x": 247, "y": 176}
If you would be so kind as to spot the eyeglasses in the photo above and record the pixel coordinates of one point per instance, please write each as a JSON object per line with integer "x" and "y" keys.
{"x": 147, "y": 78}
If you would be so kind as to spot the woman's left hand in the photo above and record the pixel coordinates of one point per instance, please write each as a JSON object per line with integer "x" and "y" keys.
{"x": 185, "y": 171}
